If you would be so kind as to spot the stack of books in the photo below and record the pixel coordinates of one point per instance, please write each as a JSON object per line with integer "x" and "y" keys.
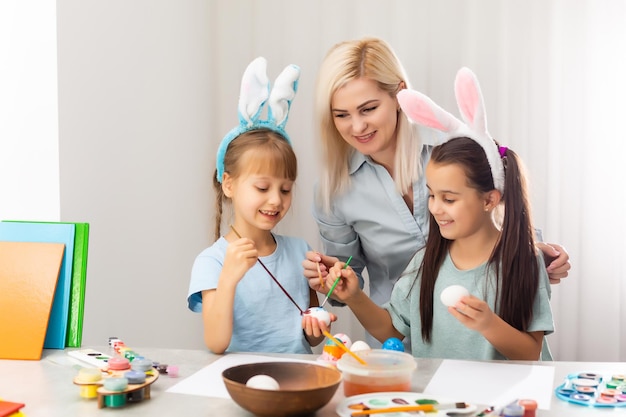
{"x": 43, "y": 273}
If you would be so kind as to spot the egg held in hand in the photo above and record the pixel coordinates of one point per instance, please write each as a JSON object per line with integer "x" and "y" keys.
{"x": 320, "y": 314}
{"x": 263, "y": 382}
{"x": 452, "y": 294}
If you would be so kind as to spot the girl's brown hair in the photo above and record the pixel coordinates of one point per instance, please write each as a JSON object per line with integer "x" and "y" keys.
{"x": 513, "y": 259}
{"x": 253, "y": 152}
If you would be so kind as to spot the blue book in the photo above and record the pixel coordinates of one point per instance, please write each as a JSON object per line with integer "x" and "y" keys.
{"x": 53, "y": 233}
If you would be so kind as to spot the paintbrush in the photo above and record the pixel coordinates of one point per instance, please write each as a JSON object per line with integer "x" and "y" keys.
{"x": 335, "y": 283}
{"x": 434, "y": 406}
{"x": 397, "y": 409}
{"x": 319, "y": 274}
{"x": 271, "y": 275}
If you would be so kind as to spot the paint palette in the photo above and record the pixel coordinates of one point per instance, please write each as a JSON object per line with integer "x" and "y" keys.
{"x": 395, "y": 401}
{"x": 593, "y": 390}
{"x": 131, "y": 392}
{"x": 91, "y": 356}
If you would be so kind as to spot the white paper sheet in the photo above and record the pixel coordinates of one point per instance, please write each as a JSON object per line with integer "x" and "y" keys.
{"x": 494, "y": 384}
{"x": 208, "y": 381}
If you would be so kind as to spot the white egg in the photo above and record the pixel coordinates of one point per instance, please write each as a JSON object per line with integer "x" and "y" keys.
{"x": 360, "y": 345}
{"x": 319, "y": 313}
{"x": 263, "y": 382}
{"x": 345, "y": 339}
{"x": 452, "y": 294}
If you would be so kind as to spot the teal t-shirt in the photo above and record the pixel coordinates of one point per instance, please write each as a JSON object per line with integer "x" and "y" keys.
{"x": 450, "y": 339}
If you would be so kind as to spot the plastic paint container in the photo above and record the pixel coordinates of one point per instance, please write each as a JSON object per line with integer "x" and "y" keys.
{"x": 118, "y": 364}
{"x": 530, "y": 407}
{"x": 141, "y": 365}
{"x": 85, "y": 377}
{"x": 115, "y": 383}
{"x": 513, "y": 410}
{"x": 135, "y": 377}
{"x": 386, "y": 371}
{"x": 172, "y": 371}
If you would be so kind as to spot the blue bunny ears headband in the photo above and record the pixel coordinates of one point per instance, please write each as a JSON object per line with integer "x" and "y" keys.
{"x": 422, "y": 110}
{"x": 255, "y": 93}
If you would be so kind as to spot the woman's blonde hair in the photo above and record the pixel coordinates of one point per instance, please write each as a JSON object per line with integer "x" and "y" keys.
{"x": 255, "y": 151}
{"x": 374, "y": 59}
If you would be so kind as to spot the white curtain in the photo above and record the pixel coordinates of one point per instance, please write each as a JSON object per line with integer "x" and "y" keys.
{"x": 552, "y": 73}
{"x": 584, "y": 198}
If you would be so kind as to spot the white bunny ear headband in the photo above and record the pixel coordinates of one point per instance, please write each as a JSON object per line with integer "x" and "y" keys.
{"x": 422, "y": 110}
{"x": 255, "y": 92}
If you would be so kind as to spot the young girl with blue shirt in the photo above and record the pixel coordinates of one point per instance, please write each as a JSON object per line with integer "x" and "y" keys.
{"x": 232, "y": 282}
{"x": 481, "y": 237}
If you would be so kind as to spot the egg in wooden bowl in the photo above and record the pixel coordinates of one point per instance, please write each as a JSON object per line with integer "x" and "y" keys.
{"x": 302, "y": 388}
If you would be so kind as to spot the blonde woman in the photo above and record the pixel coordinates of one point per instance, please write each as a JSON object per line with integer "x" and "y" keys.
{"x": 371, "y": 201}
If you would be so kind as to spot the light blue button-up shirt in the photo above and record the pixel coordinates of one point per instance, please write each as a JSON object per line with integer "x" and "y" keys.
{"x": 372, "y": 223}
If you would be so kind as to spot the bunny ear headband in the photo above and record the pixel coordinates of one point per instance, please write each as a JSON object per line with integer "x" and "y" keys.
{"x": 255, "y": 92}
{"x": 422, "y": 110}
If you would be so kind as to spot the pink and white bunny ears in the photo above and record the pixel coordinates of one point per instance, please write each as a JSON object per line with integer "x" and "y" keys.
{"x": 422, "y": 110}
{"x": 255, "y": 92}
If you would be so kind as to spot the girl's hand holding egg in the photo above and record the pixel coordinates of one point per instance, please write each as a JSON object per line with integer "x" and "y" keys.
{"x": 320, "y": 314}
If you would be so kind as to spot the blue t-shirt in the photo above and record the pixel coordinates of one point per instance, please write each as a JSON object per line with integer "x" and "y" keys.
{"x": 264, "y": 319}
{"x": 450, "y": 339}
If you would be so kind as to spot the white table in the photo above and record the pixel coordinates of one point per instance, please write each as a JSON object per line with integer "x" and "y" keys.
{"x": 46, "y": 387}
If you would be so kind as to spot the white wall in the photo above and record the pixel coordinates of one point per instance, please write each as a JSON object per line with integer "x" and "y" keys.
{"x": 147, "y": 89}
{"x": 135, "y": 100}
{"x": 29, "y": 146}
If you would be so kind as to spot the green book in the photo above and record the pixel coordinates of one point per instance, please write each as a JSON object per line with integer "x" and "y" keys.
{"x": 76, "y": 310}
{"x": 77, "y": 291}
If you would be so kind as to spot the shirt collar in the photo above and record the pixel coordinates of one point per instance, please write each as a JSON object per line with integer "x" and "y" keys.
{"x": 356, "y": 160}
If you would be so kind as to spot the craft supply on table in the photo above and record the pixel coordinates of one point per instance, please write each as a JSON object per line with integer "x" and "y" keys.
{"x": 332, "y": 352}
{"x": 11, "y": 409}
{"x": 115, "y": 380}
{"x": 360, "y": 345}
{"x": 342, "y": 346}
{"x": 593, "y": 389}
{"x": 402, "y": 404}
{"x": 384, "y": 371}
{"x": 530, "y": 407}
{"x": 393, "y": 343}
{"x": 513, "y": 410}
{"x": 91, "y": 356}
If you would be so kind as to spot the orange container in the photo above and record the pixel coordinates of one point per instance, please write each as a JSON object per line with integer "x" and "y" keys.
{"x": 386, "y": 371}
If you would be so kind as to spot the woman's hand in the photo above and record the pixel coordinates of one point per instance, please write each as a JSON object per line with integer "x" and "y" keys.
{"x": 316, "y": 268}
{"x": 557, "y": 261}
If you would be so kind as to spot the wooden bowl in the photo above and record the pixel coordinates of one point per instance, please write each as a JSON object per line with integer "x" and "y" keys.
{"x": 304, "y": 388}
